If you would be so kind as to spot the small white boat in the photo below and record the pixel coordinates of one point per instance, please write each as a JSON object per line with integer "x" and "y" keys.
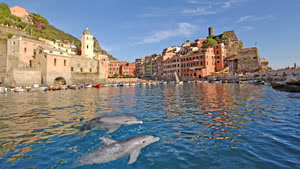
{"x": 3, "y": 90}
{"x": 88, "y": 86}
{"x": 126, "y": 84}
{"x": 19, "y": 89}
{"x": 181, "y": 82}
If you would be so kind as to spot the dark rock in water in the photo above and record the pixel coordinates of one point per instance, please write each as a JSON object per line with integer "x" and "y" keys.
{"x": 284, "y": 86}
{"x": 295, "y": 97}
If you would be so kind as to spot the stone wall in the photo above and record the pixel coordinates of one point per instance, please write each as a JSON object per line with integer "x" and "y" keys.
{"x": 5, "y": 30}
{"x": 26, "y": 77}
{"x": 3, "y": 55}
{"x": 51, "y": 76}
{"x": 233, "y": 48}
{"x": 249, "y": 60}
{"x": 77, "y": 77}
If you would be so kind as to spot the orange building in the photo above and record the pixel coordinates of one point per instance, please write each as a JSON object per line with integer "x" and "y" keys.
{"x": 19, "y": 11}
{"x": 220, "y": 55}
{"x": 197, "y": 64}
{"x": 121, "y": 68}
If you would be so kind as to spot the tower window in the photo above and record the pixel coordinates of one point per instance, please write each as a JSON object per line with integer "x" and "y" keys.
{"x": 65, "y": 62}
{"x": 81, "y": 70}
{"x": 54, "y": 62}
{"x": 72, "y": 69}
{"x": 87, "y": 46}
{"x": 90, "y": 69}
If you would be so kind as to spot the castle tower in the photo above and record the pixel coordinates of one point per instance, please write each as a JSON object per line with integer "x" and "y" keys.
{"x": 211, "y": 32}
{"x": 87, "y": 44}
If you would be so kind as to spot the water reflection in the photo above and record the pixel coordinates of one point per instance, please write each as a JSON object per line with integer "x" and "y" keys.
{"x": 213, "y": 110}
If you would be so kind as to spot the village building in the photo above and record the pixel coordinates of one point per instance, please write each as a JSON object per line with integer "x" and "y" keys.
{"x": 121, "y": 68}
{"x": 28, "y": 61}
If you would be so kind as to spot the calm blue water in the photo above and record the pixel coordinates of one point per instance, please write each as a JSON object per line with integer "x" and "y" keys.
{"x": 200, "y": 126}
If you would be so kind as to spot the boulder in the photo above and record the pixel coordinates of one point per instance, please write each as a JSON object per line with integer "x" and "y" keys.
{"x": 293, "y": 80}
{"x": 284, "y": 86}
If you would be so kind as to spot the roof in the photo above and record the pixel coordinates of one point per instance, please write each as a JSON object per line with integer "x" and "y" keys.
{"x": 87, "y": 32}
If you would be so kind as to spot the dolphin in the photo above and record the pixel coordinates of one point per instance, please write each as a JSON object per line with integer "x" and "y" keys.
{"x": 112, "y": 123}
{"x": 113, "y": 150}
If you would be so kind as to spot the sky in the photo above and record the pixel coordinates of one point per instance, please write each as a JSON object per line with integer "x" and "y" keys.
{"x": 130, "y": 29}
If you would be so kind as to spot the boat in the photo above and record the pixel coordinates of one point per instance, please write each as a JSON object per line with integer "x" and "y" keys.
{"x": 73, "y": 87}
{"x": 88, "y": 86}
{"x": 98, "y": 86}
{"x": 19, "y": 89}
{"x": 3, "y": 90}
{"x": 181, "y": 82}
{"x": 121, "y": 84}
{"x": 126, "y": 84}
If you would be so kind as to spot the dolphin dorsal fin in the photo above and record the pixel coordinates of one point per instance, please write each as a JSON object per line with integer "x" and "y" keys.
{"x": 134, "y": 155}
{"x": 107, "y": 141}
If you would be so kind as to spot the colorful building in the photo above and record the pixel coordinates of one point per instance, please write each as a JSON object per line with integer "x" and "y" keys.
{"x": 121, "y": 68}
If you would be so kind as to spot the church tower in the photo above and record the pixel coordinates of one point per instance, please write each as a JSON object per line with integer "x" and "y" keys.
{"x": 87, "y": 44}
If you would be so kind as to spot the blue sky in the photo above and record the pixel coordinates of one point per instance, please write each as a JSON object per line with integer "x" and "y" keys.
{"x": 130, "y": 29}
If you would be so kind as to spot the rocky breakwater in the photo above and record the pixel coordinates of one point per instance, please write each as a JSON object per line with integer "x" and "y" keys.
{"x": 292, "y": 84}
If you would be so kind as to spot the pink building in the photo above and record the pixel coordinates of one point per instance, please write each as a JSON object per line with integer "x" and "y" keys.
{"x": 220, "y": 55}
{"x": 19, "y": 11}
{"x": 23, "y": 49}
{"x": 197, "y": 64}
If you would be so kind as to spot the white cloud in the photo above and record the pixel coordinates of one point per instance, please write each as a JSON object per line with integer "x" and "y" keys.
{"x": 254, "y": 18}
{"x": 230, "y": 3}
{"x": 182, "y": 29}
{"x": 198, "y": 11}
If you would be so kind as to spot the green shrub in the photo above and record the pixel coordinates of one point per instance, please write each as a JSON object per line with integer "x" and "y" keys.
{"x": 10, "y": 35}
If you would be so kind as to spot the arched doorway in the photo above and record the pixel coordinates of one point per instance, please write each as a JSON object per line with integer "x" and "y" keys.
{"x": 59, "y": 81}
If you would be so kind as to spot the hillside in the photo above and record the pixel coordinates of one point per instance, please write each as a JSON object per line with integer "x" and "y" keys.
{"x": 40, "y": 27}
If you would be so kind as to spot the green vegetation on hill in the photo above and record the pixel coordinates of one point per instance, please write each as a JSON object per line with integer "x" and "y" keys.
{"x": 210, "y": 42}
{"x": 40, "y": 28}
{"x": 8, "y": 19}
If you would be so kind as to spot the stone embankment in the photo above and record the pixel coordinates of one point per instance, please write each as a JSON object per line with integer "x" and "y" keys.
{"x": 271, "y": 76}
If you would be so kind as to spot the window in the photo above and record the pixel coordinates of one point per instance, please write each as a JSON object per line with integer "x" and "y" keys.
{"x": 25, "y": 50}
{"x": 30, "y": 63}
{"x": 217, "y": 52}
{"x": 65, "y": 62}
{"x": 87, "y": 46}
{"x": 81, "y": 70}
{"x": 218, "y": 61}
{"x": 72, "y": 69}
{"x": 255, "y": 57}
{"x": 54, "y": 62}
{"x": 218, "y": 57}
{"x": 90, "y": 69}
{"x": 87, "y": 38}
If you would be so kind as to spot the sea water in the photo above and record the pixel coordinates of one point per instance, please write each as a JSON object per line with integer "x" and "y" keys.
{"x": 215, "y": 126}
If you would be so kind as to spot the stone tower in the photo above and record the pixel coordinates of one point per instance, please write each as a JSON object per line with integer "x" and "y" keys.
{"x": 211, "y": 32}
{"x": 87, "y": 44}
